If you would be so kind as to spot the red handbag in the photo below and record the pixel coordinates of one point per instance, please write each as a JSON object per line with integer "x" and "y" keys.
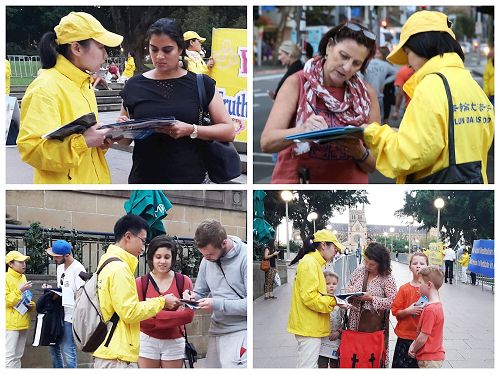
{"x": 362, "y": 349}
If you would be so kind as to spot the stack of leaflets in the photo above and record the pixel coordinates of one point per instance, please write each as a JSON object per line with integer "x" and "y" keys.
{"x": 191, "y": 304}
{"x": 327, "y": 135}
{"x": 344, "y": 298}
{"x": 23, "y": 305}
{"x": 134, "y": 129}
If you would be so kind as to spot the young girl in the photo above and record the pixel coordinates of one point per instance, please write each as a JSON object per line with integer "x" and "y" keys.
{"x": 330, "y": 344}
{"x": 407, "y": 307}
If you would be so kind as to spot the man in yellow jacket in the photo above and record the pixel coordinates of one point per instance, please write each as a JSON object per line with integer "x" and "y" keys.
{"x": 309, "y": 317}
{"x": 129, "y": 67}
{"x": 464, "y": 262}
{"x": 118, "y": 293}
{"x": 420, "y": 147}
{"x": 194, "y": 58}
{"x": 60, "y": 94}
{"x": 17, "y": 320}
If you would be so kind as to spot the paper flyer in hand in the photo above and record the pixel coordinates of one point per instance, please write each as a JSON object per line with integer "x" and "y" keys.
{"x": 134, "y": 129}
{"x": 327, "y": 135}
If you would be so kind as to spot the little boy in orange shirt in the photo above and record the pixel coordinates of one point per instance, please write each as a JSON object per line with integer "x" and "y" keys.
{"x": 428, "y": 345}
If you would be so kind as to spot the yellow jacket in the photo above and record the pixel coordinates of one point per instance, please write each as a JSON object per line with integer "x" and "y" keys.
{"x": 464, "y": 259}
{"x": 196, "y": 63}
{"x": 129, "y": 68}
{"x": 118, "y": 293}
{"x": 13, "y": 319}
{"x": 56, "y": 97}
{"x": 310, "y": 310}
{"x": 421, "y": 144}
{"x": 7, "y": 77}
{"x": 489, "y": 78}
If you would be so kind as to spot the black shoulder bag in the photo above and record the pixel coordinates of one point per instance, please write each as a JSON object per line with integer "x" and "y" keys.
{"x": 222, "y": 161}
{"x": 466, "y": 173}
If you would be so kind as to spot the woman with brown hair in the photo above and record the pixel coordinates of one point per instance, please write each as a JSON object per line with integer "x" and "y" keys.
{"x": 327, "y": 93}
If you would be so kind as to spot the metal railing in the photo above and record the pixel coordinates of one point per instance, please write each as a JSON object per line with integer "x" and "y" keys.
{"x": 343, "y": 267}
{"x": 93, "y": 244}
{"x": 23, "y": 66}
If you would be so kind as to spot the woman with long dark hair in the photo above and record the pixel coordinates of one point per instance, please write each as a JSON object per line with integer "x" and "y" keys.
{"x": 173, "y": 154}
{"x": 62, "y": 93}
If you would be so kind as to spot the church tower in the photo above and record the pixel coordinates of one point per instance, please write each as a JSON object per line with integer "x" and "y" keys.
{"x": 357, "y": 231}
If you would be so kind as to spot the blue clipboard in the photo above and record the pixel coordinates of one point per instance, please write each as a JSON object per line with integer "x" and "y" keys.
{"x": 326, "y": 134}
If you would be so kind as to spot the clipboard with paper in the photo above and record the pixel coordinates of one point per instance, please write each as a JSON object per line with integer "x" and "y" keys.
{"x": 327, "y": 135}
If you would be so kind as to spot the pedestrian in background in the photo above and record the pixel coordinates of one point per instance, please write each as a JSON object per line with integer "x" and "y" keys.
{"x": 289, "y": 56}
{"x": 449, "y": 261}
{"x": 64, "y": 354}
{"x": 17, "y": 316}
{"x": 59, "y": 95}
{"x": 270, "y": 253}
{"x": 195, "y": 53}
{"x": 129, "y": 70}
{"x": 169, "y": 90}
{"x": 418, "y": 151}
{"x": 489, "y": 76}
{"x": 402, "y": 76}
{"x": 327, "y": 93}
{"x": 162, "y": 341}
{"x": 221, "y": 289}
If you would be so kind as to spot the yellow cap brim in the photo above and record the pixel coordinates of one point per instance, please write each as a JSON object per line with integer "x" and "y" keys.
{"x": 109, "y": 39}
{"x": 202, "y": 39}
{"x": 397, "y": 55}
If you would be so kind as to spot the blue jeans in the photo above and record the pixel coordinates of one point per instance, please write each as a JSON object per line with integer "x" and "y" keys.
{"x": 66, "y": 347}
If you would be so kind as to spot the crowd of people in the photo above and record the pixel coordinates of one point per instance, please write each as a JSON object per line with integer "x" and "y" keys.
{"x": 318, "y": 319}
{"x": 354, "y": 82}
{"x": 63, "y": 92}
{"x": 149, "y": 313}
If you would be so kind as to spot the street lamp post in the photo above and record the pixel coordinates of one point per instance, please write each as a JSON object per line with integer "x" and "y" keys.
{"x": 287, "y": 196}
{"x": 313, "y": 216}
{"x": 410, "y": 221}
{"x": 392, "y": 237}
{"x": 385, "y": 239}
{"x": 439, "y": 204}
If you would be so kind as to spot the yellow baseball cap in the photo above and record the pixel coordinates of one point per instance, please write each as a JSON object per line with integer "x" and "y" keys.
{"x": 188, "y": 35}
{"x": 422, "y": 21}
{"x": 15, "y": 256}
{"x": 78, "y": 26}
{"x": 328, "y": 237}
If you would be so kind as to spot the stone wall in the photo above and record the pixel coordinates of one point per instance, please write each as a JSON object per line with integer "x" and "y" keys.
{"x": 99, "y": 210}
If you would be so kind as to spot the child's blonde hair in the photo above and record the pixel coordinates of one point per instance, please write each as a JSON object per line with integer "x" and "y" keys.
{"x": 328, "y": 273}
{"x": 434, "y": 274}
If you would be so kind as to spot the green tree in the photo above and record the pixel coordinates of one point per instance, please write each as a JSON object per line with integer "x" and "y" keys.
{"x": 467, "y": 214}
{"x": 36, "y": 241}
{"x": 464, "y": 26}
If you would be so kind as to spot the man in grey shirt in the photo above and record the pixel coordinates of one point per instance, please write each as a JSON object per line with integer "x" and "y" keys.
{"x": 221, "y": 288}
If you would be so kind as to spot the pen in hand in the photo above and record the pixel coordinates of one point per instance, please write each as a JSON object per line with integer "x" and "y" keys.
{"x": 312, "y": 107}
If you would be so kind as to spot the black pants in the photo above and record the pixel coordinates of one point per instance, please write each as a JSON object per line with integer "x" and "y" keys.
{"x": 448, "y": 271}
{"x": 473, "y": 278}
{"x": 401, "y": 358}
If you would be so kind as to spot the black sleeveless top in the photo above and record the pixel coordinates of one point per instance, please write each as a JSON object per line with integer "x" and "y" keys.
{"x": 160, "y": 158}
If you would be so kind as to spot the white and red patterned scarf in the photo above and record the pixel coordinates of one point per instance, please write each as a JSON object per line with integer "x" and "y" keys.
{"x": 354, "y": 110}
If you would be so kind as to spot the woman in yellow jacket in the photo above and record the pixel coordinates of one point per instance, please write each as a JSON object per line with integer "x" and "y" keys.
{"x": 464, "y": 261}
{"x": 309, "y": 317}
{"x": 489, "y": 77}
{"x": 17, "y": 323}
{"x": 129, "y": 66}
{"x": 420, "y": 148}
{"x": 59, "y": 95}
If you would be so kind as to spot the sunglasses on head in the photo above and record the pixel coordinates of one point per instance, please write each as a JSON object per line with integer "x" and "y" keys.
{"x": 357, "y": 28}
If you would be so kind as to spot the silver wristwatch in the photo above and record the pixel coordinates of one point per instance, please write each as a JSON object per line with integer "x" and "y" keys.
{"x": 194, "y": 134}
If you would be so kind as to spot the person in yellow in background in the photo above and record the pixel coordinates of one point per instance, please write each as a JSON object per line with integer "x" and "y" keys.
{"x": 129, "y": 67}
{"x": 7, "y": 77}
{"x": 420, "y": 148}
{"x": 194, "y": 54}
{"x": 489, "y": 76}
{"x": 464, "y": 262}
{"x": 118, "y": 294}
{"x": 309, "y": 317}
{"x": 17, "y": 317}
{"x": 59, "y": 95}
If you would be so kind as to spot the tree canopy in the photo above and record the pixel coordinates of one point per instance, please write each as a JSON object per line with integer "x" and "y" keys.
{"x": 130, "y": 21}
{"x": 467, "y": 214}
